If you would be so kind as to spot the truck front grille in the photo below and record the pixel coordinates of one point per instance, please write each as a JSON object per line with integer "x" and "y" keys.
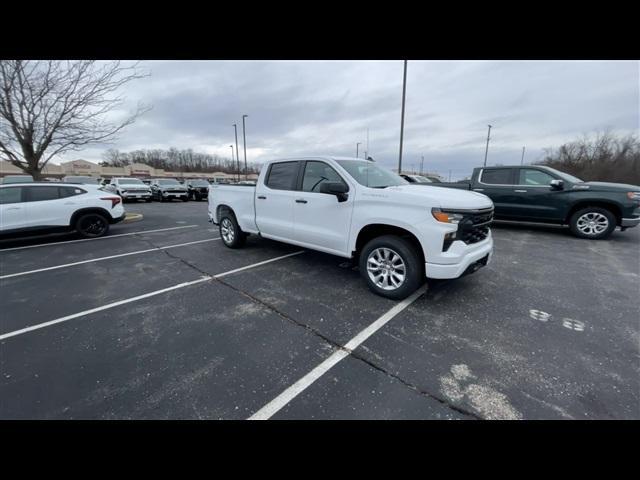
{"x": 475, "y": 226}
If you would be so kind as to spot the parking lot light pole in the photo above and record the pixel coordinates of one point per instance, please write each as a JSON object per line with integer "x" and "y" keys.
{"x": 235, "y": 127}
{"x": 404, "y": 94}
{"x": 522, "y": 159}
{"x": 421, "y": 164}
{"x": 244, "y": 139}
{"x": 232, "y": 155}
{"x": 357, "y": 148}
{"x": 487, "y": 149}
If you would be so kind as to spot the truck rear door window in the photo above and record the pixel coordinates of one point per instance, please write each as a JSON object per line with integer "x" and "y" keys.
{"x": 282, "y": 176}
{"x": 497, "y": 176}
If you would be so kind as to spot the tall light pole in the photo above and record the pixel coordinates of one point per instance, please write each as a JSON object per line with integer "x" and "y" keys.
{"x": 357, "y": 148}
{"x": 522, "y": 160}
{"x": 366, "y": 152}
{"x": 421, "y": 164}
{"x": 487, "y": 149}
{"x": 231, "y": 152}
{"x": 235, "y": 127}
{"x": 404, "y": 94}
{"x": 244, "y": 139}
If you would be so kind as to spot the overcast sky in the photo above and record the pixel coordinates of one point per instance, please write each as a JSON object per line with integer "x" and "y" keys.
{"x": 325, "y": 107}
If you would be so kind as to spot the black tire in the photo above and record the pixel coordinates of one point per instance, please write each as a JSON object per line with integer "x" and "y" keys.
{"x": 593, "y": 223}
{"x": 149, "y": 200}
{"x": 91, "y": 225}
{"x": 185, "y": 199}
{"x": 237, "y": 237}
{"x": 413, "y": 266}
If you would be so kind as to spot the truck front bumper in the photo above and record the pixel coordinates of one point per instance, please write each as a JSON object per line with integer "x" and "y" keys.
{"x": 478, "y": 256}
{"x": 630, "y": 222}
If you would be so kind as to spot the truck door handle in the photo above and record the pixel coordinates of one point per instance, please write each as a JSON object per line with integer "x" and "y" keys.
{"x": 520, "y": 191}
{"x": 261, "y": 197}
{"x": 300, "y": 200}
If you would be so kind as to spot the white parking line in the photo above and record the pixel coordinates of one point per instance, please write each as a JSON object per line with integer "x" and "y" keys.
{"x": 137, "y": 252}
{"x": 139, "y": 297}
{"x": 275, "y": 405}
{"x": 53, "y": 244}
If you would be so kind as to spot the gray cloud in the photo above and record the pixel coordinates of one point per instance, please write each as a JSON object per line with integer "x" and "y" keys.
{"x": 315, "y": 107}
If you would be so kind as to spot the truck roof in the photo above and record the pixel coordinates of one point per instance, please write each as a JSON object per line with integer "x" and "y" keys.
{"x": 316, "y": 157}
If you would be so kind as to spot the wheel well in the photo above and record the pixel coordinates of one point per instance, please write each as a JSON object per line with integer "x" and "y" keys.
{"x": 84, "y": 211}
{"x": 377, "y": 230}
{"x": 223, "y": 209}
{"x": 613, "y": 208}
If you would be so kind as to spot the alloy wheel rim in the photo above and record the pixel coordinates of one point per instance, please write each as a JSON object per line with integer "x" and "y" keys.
{"x": 226, "y": 230}
{"x": 93, "y": 226}
{"x": 386, "y": 269}
{"x": 592, "y": 223}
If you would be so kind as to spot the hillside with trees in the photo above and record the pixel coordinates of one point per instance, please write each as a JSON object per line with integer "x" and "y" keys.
{"x": 176, "y": 160}
{"x": 604, "y": 157}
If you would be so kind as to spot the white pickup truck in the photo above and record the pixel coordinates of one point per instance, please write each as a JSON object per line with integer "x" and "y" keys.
{"x": 400, "y": 233}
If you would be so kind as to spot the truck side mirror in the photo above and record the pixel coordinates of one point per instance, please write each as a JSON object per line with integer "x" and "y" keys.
{"x": 556, "y": 184}
{"x": 338, "y": 189}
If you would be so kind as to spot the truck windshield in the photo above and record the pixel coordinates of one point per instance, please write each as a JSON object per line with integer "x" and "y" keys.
{"x": 199, "y": 183}
{"x": 130, "y": 181}
{"x": 371, "y": 175}
{"x": 168, "y": 182}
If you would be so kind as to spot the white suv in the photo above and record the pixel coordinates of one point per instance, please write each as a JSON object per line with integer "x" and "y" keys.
{"x": 130, "y": 188}
{"x": 44, "y": 208}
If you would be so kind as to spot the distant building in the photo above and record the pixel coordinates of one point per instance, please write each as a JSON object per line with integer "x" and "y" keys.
{"x": 138, "y": 170}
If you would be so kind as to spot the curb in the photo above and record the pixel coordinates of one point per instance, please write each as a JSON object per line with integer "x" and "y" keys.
{"x": 132, "y": 217}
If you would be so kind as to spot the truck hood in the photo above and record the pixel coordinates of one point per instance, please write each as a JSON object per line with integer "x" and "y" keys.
{"x": 607, "y": 187}
{"x": 441, "y": 197}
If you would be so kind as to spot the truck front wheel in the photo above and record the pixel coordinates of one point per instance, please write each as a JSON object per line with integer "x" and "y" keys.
{"x": 391, "y": 267}
{"x": 594, "y": 223}
{"x": 230, "y": 233}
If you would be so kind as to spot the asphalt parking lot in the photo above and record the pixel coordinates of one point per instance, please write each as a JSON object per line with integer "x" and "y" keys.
{"x": 160, "y": 321}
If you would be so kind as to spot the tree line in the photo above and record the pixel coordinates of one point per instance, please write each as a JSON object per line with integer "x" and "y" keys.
{"x": 602, "y": 157}
{"x": 173, "y": 159}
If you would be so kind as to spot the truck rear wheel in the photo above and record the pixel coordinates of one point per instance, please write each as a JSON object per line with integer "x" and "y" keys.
{"x": 391, "y": 267}
{"x": 594, "y": 223}
{"x": 230, "y": 233}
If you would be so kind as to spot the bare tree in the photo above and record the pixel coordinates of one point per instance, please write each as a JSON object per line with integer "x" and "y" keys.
{"x": 603, "y": 156}
{"x": 50, "y": 107}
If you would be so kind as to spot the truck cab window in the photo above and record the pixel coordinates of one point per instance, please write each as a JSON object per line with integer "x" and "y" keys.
{"x": 497, "y": 176}
{"x": 282, "y": 176}
{"x": 317, "y": 173}
{"x": 530, "y": 176}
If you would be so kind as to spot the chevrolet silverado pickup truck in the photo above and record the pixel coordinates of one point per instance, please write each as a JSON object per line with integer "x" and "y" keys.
{"x": 539, "y": 194}
{"x": 354, "y": 208}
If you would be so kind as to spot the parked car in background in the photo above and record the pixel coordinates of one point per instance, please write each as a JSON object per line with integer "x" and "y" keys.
{"x": 81, "y": 179}
{"x": 536, "y": 193}
{"x": 39, "y": 207}
{"x": 16, "y": 179}
{"x": 198, "y": 189}
{"x": 416, "y": 178}
{"x": 353, "y": 208}
{"x": 166, "y": 189}
{"x": 129, "y": 188}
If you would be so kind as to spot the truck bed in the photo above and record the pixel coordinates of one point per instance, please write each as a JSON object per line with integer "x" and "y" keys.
{"x": 240, "y": 198}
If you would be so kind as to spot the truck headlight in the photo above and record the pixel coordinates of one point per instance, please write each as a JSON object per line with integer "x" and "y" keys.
{"x": 446, "y": 217}
{"x": 633, "y": 195}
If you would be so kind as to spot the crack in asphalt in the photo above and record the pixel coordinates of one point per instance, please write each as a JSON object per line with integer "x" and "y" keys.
{"x": 319, "y": 334}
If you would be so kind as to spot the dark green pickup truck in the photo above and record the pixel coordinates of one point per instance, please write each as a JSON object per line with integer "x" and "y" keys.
{"x": 542, "y": 194}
